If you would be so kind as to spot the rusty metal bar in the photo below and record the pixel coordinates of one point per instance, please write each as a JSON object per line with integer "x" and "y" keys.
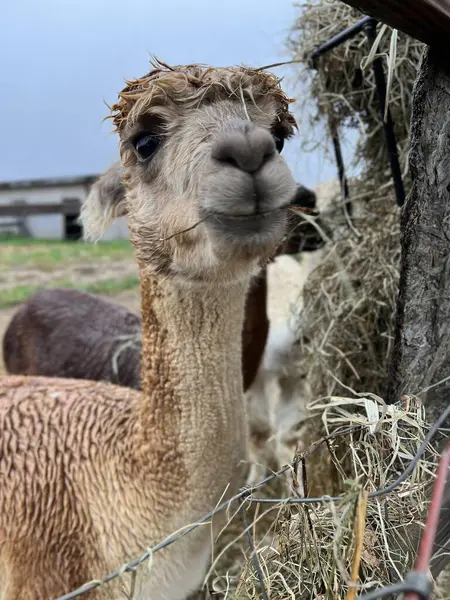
{"x": 370, "y": 29}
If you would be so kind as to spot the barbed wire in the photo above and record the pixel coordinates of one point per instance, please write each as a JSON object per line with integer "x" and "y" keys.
{"x": 245, "y": 494}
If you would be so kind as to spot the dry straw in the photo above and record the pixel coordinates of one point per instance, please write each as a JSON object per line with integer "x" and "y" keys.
{"x": 337, "y": 550}
{"x": 348, "y": 321}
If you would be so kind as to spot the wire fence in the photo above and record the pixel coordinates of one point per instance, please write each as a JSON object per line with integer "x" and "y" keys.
{"x": 414, "y": 581}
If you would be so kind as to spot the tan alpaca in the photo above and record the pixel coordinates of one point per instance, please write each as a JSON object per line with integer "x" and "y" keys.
{"x": 92, "y": 474}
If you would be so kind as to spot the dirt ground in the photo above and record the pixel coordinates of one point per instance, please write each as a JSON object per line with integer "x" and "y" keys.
{"x": 85, "y": 273}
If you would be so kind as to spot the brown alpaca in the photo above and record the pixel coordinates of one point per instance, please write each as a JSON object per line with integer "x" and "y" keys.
{"x": 93, "y": 473}
{"x": 67, "y": 333}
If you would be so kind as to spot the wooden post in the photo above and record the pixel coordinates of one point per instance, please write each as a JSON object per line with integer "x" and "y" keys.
{"x": 421, "y": 357}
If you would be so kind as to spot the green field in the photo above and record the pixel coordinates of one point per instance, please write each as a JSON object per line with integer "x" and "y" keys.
{"x": 27, "y": 265}
{"x": 47, "y": 254}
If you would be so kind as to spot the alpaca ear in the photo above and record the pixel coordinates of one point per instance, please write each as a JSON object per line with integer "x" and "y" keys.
{"x": 106, "y": 201}
{"x": 304, "y": 197}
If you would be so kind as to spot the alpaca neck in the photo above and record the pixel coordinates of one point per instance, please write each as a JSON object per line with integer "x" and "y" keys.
{"x": 193, "y": 407}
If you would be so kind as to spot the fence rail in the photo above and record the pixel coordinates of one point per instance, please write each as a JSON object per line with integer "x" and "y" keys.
{"x": 23, "y": 209}
{"x": 14, "y": 215}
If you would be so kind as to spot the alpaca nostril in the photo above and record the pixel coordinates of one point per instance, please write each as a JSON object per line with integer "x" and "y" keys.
{"x": 244, "y": 146}
{"x": 230, "y": 160}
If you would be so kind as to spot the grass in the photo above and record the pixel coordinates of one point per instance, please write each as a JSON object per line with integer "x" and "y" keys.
{"x": 13, "y": 296}
{"x": 18, "y": 251}
{"x": 52, "y": 257}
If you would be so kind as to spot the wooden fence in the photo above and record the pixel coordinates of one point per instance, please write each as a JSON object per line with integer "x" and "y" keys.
{"x": 16, "y": 213}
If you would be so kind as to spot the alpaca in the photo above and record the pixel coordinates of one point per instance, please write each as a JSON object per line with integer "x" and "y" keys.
{"x": 62, "y": 332}
{"x": 68, "y": 333}
{"x": 108, "y": 195}
{"x": 95, "y": 473}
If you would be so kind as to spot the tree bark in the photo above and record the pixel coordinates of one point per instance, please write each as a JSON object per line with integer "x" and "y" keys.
{"x": 421, "y": 358}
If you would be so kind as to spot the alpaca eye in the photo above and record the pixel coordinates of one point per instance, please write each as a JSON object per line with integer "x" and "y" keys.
{"x": 279, "y": 142}
{"x": 147, "y": 145}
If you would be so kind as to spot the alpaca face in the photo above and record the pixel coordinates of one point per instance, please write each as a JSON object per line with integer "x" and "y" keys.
{"x": 206, "y": 185}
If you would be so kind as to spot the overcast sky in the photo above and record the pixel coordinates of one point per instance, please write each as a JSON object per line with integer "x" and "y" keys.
{"x": 61, "y": 59}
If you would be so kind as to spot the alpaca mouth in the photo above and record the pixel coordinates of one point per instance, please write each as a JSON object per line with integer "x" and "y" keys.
{"x": 248, "y": 224}
{"x": 246, "y": 217}
{"x": 257, "y": 214}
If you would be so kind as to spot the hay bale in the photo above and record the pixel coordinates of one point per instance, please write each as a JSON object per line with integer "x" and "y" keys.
{"x": 342, "y": 91}
{"x": 346, "y": 325}
{"x": 348, "y": 321}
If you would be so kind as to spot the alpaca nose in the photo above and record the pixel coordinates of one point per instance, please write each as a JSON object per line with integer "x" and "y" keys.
{"x": 244, "y": 145}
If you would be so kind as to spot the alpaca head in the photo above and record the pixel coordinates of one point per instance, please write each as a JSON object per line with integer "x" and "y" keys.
{"x": 201, "y": 146}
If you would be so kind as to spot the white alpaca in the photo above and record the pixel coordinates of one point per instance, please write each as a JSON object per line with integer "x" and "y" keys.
{"x": 92, "y": 474}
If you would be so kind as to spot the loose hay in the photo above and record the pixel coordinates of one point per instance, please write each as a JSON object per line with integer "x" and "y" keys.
{"x": 319, "y": 550}
{"x": 343, "y": 86}
{"x": 123, "y": 343}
